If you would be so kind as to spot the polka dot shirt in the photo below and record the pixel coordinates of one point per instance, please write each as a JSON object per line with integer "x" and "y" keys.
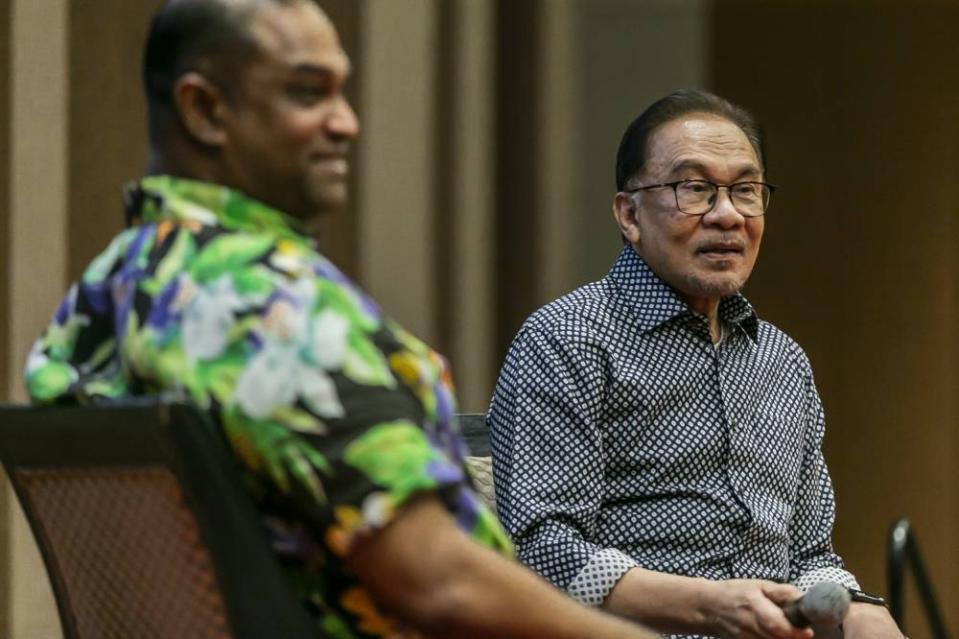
{"x": 622, "y": 436}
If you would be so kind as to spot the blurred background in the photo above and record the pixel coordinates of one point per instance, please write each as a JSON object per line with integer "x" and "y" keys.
{"x": 483, "y": 182}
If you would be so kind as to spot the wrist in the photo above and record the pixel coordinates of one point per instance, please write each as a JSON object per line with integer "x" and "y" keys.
{"x": 671, "y": 604}
{"x": 706, "y": 603}
{"x": 868, "y": 621}
{"x": 859, "y": 610}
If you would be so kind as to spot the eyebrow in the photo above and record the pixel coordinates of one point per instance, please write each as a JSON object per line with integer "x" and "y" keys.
{"x": 695, "y": 165}
{"x": 326, "y": 71}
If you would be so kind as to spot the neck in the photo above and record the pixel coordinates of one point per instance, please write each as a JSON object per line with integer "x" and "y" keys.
{"x": 708, "y": 307}
{"x": 184, "y": 166}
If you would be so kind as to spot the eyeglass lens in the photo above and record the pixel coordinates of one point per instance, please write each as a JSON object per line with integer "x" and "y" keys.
{"x": 697, "y": 197}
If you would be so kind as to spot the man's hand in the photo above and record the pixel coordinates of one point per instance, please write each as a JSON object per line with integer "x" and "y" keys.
{"x": 866, "y": 621}
{"x": 672, "y": 604}
{"x": 751, "y": 608}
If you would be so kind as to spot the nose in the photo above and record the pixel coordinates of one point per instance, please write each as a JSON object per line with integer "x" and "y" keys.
{"x": 343, "y": 123}
{"x": 724, "y": 214}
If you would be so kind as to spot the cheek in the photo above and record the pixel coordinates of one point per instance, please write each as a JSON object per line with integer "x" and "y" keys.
{"x": 669, "y": 243}
{"x": 305, "y": 126}
{"x": 291, "y": 127}
{"x": 754, "y": 231}
{"x": 668, "y": 228}
{"x": 680, "y": 233}
{"x": 296, "y": 138}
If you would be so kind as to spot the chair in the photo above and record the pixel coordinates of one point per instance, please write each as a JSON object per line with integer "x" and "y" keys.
{"x": 143, "y": 525}
{"x": 476, "y": 434}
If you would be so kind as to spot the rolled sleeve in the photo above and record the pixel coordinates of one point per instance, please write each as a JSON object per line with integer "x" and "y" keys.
{"x": 548, "y": 456}
{"x": 599, "y": 576}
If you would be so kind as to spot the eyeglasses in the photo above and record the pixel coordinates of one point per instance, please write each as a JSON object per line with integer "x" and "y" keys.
{"x": 698, "y": 197}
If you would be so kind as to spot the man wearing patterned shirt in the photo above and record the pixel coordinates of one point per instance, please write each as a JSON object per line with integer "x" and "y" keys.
{"x": 656, "y": 447}
{"x": 341, "y": 419}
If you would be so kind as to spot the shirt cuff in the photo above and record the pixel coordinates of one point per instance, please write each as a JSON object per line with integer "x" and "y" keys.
{"x": 598, "y": 577}
{"x": 826, "y": 573}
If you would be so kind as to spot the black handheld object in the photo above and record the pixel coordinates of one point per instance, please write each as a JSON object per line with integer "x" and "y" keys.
{"x": 825, "y": 604}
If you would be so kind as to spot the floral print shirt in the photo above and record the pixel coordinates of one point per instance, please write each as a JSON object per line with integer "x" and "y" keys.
{"x": 337, "y": 415}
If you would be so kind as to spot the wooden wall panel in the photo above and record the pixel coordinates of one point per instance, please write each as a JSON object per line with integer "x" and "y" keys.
{"x": 4, "y": 193}
{"x": 36, "y": 243}
{"x": 396, "y": 203}
{"x": 5, "y": 364}
{"x": 465, "y": 147}
{"x": 518, "y": 250}
{"x": 108, "y": 140}
{"x": 861, "y": 261}
{"x": 338, "y": 234}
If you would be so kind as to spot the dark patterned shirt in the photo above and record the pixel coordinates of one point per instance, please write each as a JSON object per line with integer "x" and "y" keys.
{"x": 337, "y": 414}
{"x": 622, "y": 436}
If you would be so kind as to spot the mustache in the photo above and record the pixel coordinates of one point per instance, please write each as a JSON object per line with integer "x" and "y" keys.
{"x": 721, "y": 244}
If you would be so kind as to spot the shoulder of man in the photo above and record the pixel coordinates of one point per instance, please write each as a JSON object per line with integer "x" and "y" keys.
{"x": 777, "y": 340}
{"x": 580, "y": 309}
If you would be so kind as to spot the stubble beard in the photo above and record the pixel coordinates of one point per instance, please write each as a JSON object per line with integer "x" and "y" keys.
{"x": 718, "y": 286}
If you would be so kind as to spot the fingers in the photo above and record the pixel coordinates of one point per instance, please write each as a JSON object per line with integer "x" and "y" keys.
{"x": 773, "y": 624}
{"x": 772, "y": 621}
{"x": 780, "y": 593}
{"x": 753, "y": 609}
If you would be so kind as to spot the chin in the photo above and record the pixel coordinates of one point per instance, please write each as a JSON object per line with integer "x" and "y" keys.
{"x": 329, "y": 199}
{"x": 715, "y": 285}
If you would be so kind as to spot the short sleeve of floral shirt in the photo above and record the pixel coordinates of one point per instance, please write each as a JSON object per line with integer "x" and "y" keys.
{"x": 337, "y": 415}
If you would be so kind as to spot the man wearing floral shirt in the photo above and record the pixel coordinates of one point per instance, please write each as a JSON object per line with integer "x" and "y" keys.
{"x": 341, "y": 419}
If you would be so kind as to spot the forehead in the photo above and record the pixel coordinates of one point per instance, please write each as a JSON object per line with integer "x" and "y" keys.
{"x": 699, "y": 140}
{"x": 298, "y": 34}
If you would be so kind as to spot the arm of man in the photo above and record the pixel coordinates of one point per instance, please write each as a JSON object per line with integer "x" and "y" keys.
{"x": 459, "y": 588}
{"x": 549, "y": 462}
{"x": 811, "y": 546}
{"x": 869, "y": 621}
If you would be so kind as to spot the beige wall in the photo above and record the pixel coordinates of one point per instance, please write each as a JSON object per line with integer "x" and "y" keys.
{"x": 571, "y": 76}
{"x": 36, "y": 254}
{"x": 5, "y": 15}
{"x": 397, "y": 160}
{"x": 466, "y": 200}
{"x": 425, "y": 166}
{"x": 5, "y": 496}
{"x": 338, "y": 233}
{"x": 861, "y": 257}
{"x": 107, "y": 144}
{"x": 632, "y": 52}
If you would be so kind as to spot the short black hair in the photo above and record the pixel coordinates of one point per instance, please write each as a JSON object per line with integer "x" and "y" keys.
{"x": 194, "y": 35}
{"x": 631, "y": 156}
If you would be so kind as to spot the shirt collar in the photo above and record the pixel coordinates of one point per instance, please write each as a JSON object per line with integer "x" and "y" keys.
{"x": 654, "y": 302}
{"x": 163, "y": 197}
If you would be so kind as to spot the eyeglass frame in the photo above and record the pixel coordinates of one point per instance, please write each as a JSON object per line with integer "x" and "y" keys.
{"x": 674, "y": 186}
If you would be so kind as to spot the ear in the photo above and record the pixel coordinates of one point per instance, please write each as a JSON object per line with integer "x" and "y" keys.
{"x": 624, "y": 212}
{"x": 200, "y": 105}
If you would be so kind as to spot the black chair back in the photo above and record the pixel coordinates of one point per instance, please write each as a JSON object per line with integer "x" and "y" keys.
{"x": 473, "y": 427}
{"x": 143, "y": 524}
